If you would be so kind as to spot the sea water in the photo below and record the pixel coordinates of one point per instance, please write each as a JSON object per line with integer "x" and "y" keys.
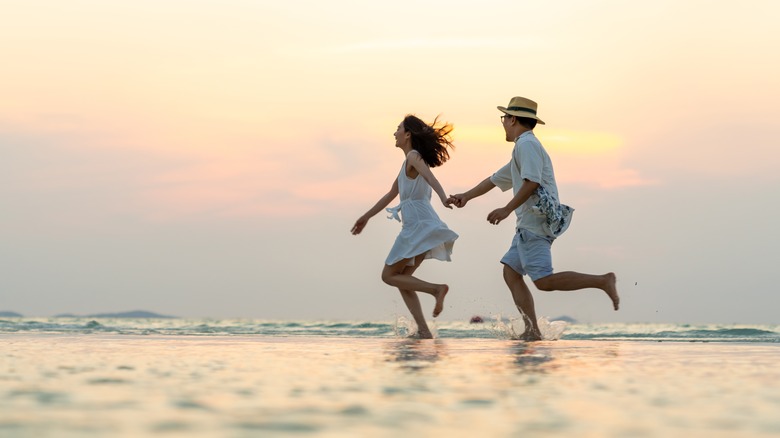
{"x": 177, "y": 377}
{"x": 493, "y": 328}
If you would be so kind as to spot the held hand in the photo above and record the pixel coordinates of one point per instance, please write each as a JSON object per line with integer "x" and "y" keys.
{"x": 497, "y": 215}
{"x": 458, "y": 200}
{"x": 446, "y": 203}
{"x": 359, "y": 225}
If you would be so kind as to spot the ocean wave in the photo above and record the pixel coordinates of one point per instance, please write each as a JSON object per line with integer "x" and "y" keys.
{"x": 401, "y": 327}
{"x": 682, "y": 332}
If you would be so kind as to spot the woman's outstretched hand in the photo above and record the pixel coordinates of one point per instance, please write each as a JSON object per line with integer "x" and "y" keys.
{"x": 359, "y": 225}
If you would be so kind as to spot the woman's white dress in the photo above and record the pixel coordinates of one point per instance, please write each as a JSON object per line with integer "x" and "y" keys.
{"x": 422, "y": 231}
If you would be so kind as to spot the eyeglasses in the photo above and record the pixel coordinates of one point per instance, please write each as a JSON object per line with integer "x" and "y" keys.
{"x": 504, "y": 117}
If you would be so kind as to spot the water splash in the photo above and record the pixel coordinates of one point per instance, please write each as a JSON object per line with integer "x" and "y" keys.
{"x": 404, "y": 327}
{"x": 515, "y": 327}
{"x": 551, "y": 330}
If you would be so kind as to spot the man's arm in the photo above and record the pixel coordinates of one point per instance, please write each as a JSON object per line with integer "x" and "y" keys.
{"x": 480, "y": 189}
{"x": 526, "y": 190}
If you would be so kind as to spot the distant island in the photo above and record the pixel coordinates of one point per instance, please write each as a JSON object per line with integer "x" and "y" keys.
{"x": 132, "y": 314}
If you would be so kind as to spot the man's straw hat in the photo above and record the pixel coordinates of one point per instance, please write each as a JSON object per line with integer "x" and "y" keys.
{"x": 521, "y": 107}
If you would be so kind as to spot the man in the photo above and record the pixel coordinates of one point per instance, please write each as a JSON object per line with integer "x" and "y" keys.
{"x": 540, "y": 217}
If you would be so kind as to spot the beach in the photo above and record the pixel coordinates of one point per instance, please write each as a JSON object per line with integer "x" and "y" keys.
{"x": 108, "y": 384}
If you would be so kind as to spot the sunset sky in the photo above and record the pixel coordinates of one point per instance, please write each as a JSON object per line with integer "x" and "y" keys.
{"x": 208, "y": 159}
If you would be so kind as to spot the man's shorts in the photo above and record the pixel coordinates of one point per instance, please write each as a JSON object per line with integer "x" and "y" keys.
{"x": 530, "y": 254}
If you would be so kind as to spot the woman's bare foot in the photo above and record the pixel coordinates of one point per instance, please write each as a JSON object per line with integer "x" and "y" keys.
{"x": 611, "y": 289}
{"x": 443, "y": 289}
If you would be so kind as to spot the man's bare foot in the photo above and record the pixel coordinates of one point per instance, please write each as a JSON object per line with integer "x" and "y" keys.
{"x": 443, "y": 289}
{"x": 531, "y": 335}
{"x": 611, "y": 289}
{"x": 422, "y": 335}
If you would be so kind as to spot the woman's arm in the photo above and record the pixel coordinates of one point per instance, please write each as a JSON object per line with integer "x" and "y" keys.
{"x": 422, "y": 168}
{"x": 383, "y": 202}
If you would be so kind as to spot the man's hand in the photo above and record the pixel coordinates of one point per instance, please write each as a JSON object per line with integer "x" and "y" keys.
{"x": 458, "y": 200}
{"x": 497, "y": 215}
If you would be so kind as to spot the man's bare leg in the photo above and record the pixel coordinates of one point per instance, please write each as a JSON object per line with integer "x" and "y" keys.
{"x": 524, "y": 302}
{"x": 570, "y": 280}
{"x": 396, "y": 275}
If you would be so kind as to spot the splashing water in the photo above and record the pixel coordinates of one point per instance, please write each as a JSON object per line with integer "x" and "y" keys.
{"x": 404, "y": 327}
{"x": 515, "y": 327}
{"x": 551, "y": 331}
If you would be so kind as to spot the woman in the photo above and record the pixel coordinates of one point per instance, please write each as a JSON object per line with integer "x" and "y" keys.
{"x": 423, "y": 235}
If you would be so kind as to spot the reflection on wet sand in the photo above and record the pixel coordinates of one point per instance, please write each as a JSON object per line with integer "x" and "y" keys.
{"x": 499, "y": 358}
{"x": 529, "y": 359}
{"x": 551, "y": 357}
{"x": 416, "y": 354}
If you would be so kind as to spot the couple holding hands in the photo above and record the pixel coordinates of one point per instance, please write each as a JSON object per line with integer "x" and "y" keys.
{"x": 540, "y": 216}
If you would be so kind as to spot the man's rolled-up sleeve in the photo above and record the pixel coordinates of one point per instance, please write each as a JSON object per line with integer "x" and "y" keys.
{"x": 503, "y": 177}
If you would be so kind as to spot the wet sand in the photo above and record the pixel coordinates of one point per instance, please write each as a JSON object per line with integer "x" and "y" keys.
{"x": 129, "y": 385}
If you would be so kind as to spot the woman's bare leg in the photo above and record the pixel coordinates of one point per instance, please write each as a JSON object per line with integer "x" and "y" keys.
{"x": 398, "y": 276}
{"x": 412, "y": 302}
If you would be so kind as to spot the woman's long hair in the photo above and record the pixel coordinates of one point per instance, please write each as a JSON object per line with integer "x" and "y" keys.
{"x": 431, "y": 141}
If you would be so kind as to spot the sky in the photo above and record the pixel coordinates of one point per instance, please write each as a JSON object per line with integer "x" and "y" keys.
{"x": 208, "y": 158}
